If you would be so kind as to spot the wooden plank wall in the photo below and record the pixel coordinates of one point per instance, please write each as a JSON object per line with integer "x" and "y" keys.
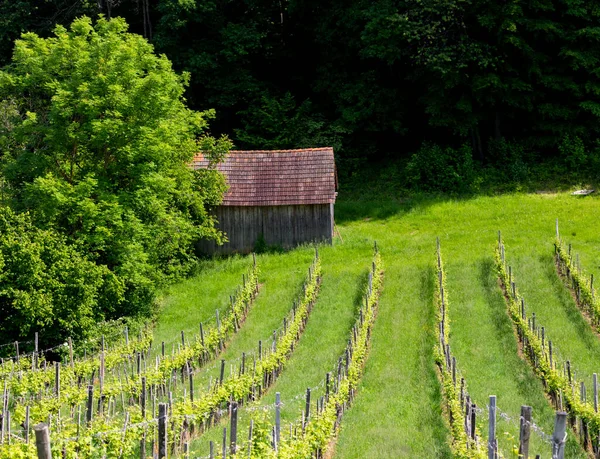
{"x": 285, "y": 226}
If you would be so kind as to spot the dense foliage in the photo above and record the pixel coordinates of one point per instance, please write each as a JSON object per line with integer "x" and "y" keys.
{"x": 455, "y": 394}
{"x": 95, "y": 132}
{"x": 46, "y": 284}
{"x": 377, "y": 77}
{"x": 96, "y": 141}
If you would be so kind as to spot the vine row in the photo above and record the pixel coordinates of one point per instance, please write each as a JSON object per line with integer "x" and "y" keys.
{"x": 581, "y": 285}
{"x": 461, "y": 410}
{"x": 560, "y": 386}
{"x": 191, "y": 415}
{"x": 250, "y": 385}
{"x": 74, "y": 392}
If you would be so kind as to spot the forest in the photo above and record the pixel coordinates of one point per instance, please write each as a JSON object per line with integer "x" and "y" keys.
{"x": 515, "y": 82}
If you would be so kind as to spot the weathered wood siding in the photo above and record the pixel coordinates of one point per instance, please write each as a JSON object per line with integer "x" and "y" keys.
{"x": 285, "y": 226}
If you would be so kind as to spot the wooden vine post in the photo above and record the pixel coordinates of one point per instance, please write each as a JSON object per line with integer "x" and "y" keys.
{"x": 492, "y": 442}
{"x": 559, "y": 437}
{"x": 525, "y": 431}
{"x": 595, "y": 388}
{"x": 162, "y": 430}
{"x": 71, "y": 352}
{"x": 307, "y": 407}
{"x": 278, "y": 416}
{"x": 42, "y": 441}
{"x": 90, "y": 404}
{"x": 233, "y": 430}
{"x": 57, "y": 379}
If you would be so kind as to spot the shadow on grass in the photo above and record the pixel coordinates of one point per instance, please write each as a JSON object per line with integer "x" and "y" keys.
{"x": 375, "y": 197}
{"x": 363, "y": 284}
{"x": 381, "y": 208}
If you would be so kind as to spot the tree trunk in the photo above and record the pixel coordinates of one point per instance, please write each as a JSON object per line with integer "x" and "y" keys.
{"x": 497, "y": 132}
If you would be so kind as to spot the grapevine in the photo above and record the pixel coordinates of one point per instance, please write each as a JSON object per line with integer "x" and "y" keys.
{"x": 561, "y": 389}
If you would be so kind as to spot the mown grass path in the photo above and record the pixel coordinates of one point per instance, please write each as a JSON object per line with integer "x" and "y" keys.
{"x": 399, "y": 385}
{"x": 328, "y": 329}
{"x": 281, "y": 278}
{"x": 196, "y": 299}
{"x": 322, "y": 342}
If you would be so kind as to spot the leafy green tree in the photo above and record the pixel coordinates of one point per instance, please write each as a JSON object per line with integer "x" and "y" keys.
{"x": 19, "y": 16}
{"x": 371, "y": 77}
{"x": 433, "y": 168}
{"x": 97, "y": 145}
{"x": 524, "y": 70}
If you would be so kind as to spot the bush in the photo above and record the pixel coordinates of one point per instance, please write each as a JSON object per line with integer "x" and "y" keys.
{"x": 434, "y": 168}
{"x": 47, "y": 286}
{"x": 96, "y": 143}
{"x": 280, "y": 122}
{"x": 573, "y": 153}
{"x": 261, "y": 246}
{"x": 509, "y": 159}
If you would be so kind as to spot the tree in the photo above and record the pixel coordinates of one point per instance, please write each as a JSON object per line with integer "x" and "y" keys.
{"x": 20, "y": 16}
{"x": 96, "y": 146}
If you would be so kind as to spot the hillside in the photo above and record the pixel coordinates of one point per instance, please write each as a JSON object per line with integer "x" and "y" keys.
{"x": 398, "y": 409}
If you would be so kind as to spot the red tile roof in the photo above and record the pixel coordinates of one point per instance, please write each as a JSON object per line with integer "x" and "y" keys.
{"x": 279, "y": 177}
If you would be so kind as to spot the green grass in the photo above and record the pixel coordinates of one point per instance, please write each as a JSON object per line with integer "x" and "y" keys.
{"x": 397, "y": 410}
{"x": 186, "y": 304}
{"x": 281, "y": 280}
{"x": 555, "y": 309}
{"x": 322, "y": 342}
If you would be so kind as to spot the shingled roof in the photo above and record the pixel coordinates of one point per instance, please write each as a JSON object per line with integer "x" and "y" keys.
{"x": 278, "y": 177}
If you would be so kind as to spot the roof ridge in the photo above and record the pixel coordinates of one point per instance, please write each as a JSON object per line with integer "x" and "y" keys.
{"x": 288, "y": 150}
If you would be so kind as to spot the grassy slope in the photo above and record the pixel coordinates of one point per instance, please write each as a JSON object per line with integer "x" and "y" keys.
{"x": 468, "y": 232}
{"x": 555, "y": 309}
{"x": 396, "y": 413}
{"x": 282, "y": 277}
{"x": 583, "y": 237}
{"x": 328, "y": 328}
{"x": 484, "y": 343}
{"x": 195, "y": 300}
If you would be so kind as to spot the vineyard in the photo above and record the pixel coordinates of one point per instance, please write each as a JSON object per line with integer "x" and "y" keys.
{"x": 448, "y": 329}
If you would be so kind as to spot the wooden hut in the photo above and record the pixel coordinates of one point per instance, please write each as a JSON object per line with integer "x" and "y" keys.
{"x": 284, "y": 197}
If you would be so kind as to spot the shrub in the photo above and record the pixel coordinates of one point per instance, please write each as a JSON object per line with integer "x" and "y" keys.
{"x": 434, "y": 168}
{"x": 573, "y": 154}
{"x": 261, "y": 246}
{"x": 47, "y": 285}
{"x": 95, "y": 146}
{"x": 509, "y": 159}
